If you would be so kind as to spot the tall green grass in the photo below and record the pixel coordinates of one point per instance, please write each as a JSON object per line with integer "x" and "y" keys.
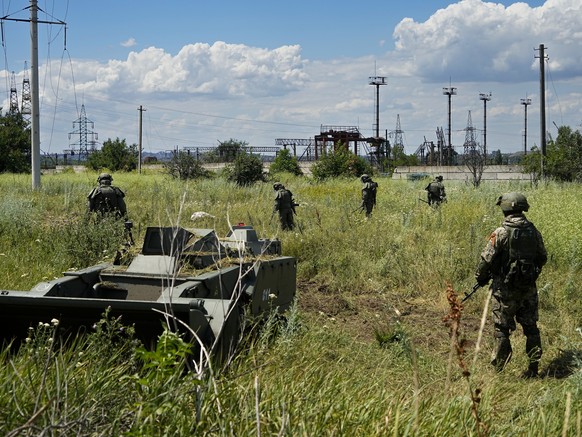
{"x": 365, "y": 351}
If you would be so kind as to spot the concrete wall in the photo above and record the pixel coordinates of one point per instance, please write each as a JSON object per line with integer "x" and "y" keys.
{"x": 461, "y": 173}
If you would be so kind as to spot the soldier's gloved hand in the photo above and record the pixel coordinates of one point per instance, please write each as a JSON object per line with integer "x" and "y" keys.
{"x": 482, "y": 281}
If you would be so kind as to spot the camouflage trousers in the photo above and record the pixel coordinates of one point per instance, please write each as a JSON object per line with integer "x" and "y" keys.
{"x": 286, "y": 219}
{"x": 508, "y": 307}
{"x": 367, "y": 207}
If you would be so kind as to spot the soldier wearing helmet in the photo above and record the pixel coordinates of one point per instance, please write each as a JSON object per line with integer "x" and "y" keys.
{"x": 285, "y": 206}
{"x": 513, "y": 259}
{"x": 436, "y": 191}
{"x": 369, "y": 189}
{"x": 106, "y": 198}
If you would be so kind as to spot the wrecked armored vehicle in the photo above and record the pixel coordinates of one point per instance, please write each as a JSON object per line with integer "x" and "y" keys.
{"x": 187, "y": 279}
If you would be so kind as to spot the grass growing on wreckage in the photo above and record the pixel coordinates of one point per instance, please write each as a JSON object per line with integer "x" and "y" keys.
{"x": 368, "y": 354}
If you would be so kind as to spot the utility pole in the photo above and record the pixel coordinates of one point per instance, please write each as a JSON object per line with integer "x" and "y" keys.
{"x": 141, "y": 110}
{"x": 35, "y": 138}
{"x": 525, "y": 102}
{"x": 543, "y": 139}
{"x": 450, "y": 91}
{"x": 35, "y": 114}
{"x": 485, "y": 98}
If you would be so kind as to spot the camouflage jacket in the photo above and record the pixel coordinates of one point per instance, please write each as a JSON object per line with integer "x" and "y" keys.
{"x": 495, "y": 256}
{"x": 436, "y": 190}
{"x": 369, "y": 192}
{"x": 107, "y": 199}
{"x": 283, "y": 200}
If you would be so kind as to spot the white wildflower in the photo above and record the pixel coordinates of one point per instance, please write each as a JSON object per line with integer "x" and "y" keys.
{"x": 55, "y": 322}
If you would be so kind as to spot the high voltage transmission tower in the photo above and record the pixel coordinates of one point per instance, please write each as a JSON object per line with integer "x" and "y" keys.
{"x": 87, "y": 138}
{"x": 13, "y": 95}
{"x": 398, "y": 144}
{"x": 470, "y": 145}
{"x": 26, "y": 108}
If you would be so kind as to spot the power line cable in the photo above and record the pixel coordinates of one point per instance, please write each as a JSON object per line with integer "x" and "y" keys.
{"x": 555, "y": 90}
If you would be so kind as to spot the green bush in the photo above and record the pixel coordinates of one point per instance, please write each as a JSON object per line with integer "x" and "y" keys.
{"x": 185, "y": 166}
{"x": 340, "y": 162}
{"x": 246, "y": 170}
{"x": 114, "y": 155}
{"x": 285, "y": 163}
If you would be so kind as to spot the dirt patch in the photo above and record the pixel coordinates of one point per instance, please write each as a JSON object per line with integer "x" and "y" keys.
{"x": 362, "y": 315}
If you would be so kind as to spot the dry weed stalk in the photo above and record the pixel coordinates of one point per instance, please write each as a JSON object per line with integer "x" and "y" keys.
{"x": 453, "y": 321}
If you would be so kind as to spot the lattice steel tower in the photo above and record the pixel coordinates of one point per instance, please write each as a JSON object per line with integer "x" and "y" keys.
{"x": 470, "y": 145}
{"x": 397, "y": 135}
{"x": 13, "y": 95}
{"x": 26, "y": 108}
{"x": 87, "y": 138}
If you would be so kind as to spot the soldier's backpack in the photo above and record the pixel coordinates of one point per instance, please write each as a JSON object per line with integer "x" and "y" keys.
{"x": 521, "y": 270}
{"x": 106, "y": 197}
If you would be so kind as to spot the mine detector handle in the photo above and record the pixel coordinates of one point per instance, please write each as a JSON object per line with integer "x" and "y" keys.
{"x": 473, "y": 291}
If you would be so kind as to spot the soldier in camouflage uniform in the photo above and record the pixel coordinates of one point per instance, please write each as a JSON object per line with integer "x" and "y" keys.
{"x": 435, "y": 191}
{"x": 285, "y": 206}
{"x": 369, "y": 188}
{"x": 513, "y": 259}
{"x": 107, "y": 199}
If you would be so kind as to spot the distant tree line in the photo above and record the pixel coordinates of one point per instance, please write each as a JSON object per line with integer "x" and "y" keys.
{"x": 563, "y": 160}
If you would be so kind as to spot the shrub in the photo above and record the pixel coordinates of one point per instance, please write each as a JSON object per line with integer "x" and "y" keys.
{"x": 246, "y": 170}
{"x": 285, "y": 163}
{"x": 340, "y": 162}
{"x": 185, "y": 166}
{"x": 115, "y": 155}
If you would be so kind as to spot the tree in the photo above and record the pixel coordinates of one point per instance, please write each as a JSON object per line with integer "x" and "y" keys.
{"x": 245, "y": 170}
{"x": 285, "y": 162}
{"x": 185, "y": 166}
{"x": 532, "y": 163}
{"x": 340, "y": 162}
{"x": 474, "y": 159}
{"x": 564, "y": 156}
{"x": 226, "y": 151}
{"x": 15, "y": 143}
{"x": 114, "y": 155}
{"x": 399, "y": 158}
{"x": 563, "y": 160}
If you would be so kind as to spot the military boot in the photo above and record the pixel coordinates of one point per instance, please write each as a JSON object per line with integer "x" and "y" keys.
{"x": 502, "y": 353}
{"x": 533, "y": 349}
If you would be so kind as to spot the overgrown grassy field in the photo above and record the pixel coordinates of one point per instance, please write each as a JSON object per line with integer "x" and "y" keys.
{"x": 365, "y": 351}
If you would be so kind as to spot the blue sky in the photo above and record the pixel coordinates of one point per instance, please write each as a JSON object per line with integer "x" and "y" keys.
{"x": 256, "y": 71}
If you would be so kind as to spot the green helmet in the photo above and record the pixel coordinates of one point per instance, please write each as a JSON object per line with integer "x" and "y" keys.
{"x": 513, "y": 202}
{"x": 104, "y": 176}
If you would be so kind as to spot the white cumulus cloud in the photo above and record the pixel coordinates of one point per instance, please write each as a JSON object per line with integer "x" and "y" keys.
{"x": 131, "y": 42}
{"x": 478, "y": 40}
{"x": 219, "y": 69}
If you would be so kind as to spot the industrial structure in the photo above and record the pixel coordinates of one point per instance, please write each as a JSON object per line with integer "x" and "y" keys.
{"x": 470, "y": 146}
{"x": 24, "y": 108}
{"x": 86, "y": 139}
{"x": 440, "y": 154}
